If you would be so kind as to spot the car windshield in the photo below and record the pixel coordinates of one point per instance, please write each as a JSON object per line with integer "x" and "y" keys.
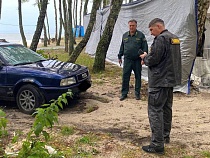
{"x": 18, "y": 54}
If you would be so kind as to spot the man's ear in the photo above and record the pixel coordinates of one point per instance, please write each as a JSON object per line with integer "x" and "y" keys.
{"x": 158, "y": 25}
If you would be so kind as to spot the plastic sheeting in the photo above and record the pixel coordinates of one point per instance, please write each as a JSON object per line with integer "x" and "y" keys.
{"x": 179, "y": 17}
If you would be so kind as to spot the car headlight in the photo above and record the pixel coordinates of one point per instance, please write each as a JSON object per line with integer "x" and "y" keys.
{"x": 67, "y": 81}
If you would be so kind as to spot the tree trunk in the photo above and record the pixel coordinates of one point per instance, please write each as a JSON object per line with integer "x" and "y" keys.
{"x": 103, "y": 45}
{"x": 60, "y": 29}
{"x": 44, "y": 26}
{"x": 48, "y": 29}
{"x": 75, "y": 19}
{"x": 85, "y": 7}
{"x": 39, "y": 26}
{"x": 21, "y": 24}
{"x": 104, "y": 3}
{"x": 80, "y": 19}
{"x": 45, "y": 36}
{"x": 71, "y": 38}
{"x": 203, "y": 6}
{"x": 73, "y": 13}
{"x": 56, "y": 22}
{"x": 0, "y": 7}
{"x": 82, "y": 44}
{"x": 65, "y": 26}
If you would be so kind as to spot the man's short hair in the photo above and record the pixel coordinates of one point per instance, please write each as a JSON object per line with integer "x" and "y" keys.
{"x": 132, "y": 20}
{"x": 155, "y": 21}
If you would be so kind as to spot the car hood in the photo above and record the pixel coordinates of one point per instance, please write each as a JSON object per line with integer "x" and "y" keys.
{"x": 54, "y": 66}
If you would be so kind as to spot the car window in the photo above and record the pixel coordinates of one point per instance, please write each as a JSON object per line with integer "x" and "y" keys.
{"x": 18, "y": 54}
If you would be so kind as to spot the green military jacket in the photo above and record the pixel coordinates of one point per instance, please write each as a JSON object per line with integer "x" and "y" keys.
{"x": 131, "y": 45}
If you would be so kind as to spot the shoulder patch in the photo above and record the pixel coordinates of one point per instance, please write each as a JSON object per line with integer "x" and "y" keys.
{"x": 175, "y": 41}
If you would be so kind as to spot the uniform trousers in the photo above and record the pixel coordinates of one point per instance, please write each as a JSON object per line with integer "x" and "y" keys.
{"x": 160, "y": 114}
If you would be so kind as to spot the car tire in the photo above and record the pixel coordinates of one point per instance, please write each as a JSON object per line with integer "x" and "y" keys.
{"x": 29, "y": 98}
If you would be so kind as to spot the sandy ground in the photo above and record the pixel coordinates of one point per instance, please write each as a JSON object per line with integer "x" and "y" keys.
{"x": 127, "y": 120}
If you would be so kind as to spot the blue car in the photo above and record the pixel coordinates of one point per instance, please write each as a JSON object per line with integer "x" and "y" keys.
{"x": 32, "y": 80}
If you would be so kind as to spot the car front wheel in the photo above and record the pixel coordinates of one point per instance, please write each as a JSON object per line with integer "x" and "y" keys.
{"x": 29, "y": 98}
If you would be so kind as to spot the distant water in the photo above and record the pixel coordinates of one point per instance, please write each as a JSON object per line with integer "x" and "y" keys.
{"x": 16, "y": 38}
{"x": 9, "y": 24}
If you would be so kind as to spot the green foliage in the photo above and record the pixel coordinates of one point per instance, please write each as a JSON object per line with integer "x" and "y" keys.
{"x": 3, "y": 131}
{"x": 45, "y": 118}
{"x": 88, "y": 139}
{"x": 16, "y": 136}
{"x": 206, "y": 154}
{"x": 65, "y": 130}
{"x": 85, "y": 59}
{"x": 85, "y": 140}
{"x": 41, "y": 52}
{"x": 48, "y": 116}
{"x": 3, "y": 123}
{"x": 33, "y": 149}
{"x": 83, "y": 150}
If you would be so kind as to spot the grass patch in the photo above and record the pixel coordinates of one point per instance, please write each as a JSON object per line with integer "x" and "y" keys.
{"x": 91, "y": 108}
{"x": 90, "y": 139}
{"x": 86, "y": 146}
{"x": 65, "y": 130}
{"x": 206, "y": 154}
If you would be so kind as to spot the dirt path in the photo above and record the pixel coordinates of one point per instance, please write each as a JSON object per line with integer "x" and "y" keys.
{"x": 99, "y": 110}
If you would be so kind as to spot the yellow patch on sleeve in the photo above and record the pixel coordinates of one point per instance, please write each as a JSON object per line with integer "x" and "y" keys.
{"x": 175, "y": 41}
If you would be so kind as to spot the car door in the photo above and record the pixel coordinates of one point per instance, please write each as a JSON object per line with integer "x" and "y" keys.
{"x": 4, "y": 89}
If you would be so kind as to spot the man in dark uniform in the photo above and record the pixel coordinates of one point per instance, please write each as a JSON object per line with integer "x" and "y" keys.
{"x": 133, "y": 44}
{"x": 164, "y": 73}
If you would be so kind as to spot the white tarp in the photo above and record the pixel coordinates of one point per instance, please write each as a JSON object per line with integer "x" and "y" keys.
{"x": 179, "y": 17}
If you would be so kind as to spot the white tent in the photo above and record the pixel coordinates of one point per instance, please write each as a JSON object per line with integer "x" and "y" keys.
{"x": 179, "y": 17}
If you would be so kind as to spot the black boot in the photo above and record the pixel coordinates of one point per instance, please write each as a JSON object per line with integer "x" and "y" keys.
{"x": 153, "y": 149}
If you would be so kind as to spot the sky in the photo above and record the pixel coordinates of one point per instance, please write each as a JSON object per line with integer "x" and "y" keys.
{"x": 9, "y": 18}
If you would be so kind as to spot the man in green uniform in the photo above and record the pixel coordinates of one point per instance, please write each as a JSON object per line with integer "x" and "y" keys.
{"x": 133, "y": 44}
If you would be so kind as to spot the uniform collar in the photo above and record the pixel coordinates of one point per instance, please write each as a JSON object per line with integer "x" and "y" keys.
{"x": 164, "y": 31}
{"x": 133, "y": 34}
{"x": 161, "y": 33}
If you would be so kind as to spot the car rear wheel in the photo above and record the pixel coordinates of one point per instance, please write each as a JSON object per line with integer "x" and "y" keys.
{"x": 29, "y": 98}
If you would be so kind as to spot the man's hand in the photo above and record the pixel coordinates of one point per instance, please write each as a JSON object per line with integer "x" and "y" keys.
{"x": 120, "y": 62}
{"x": 143, "y": 55}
